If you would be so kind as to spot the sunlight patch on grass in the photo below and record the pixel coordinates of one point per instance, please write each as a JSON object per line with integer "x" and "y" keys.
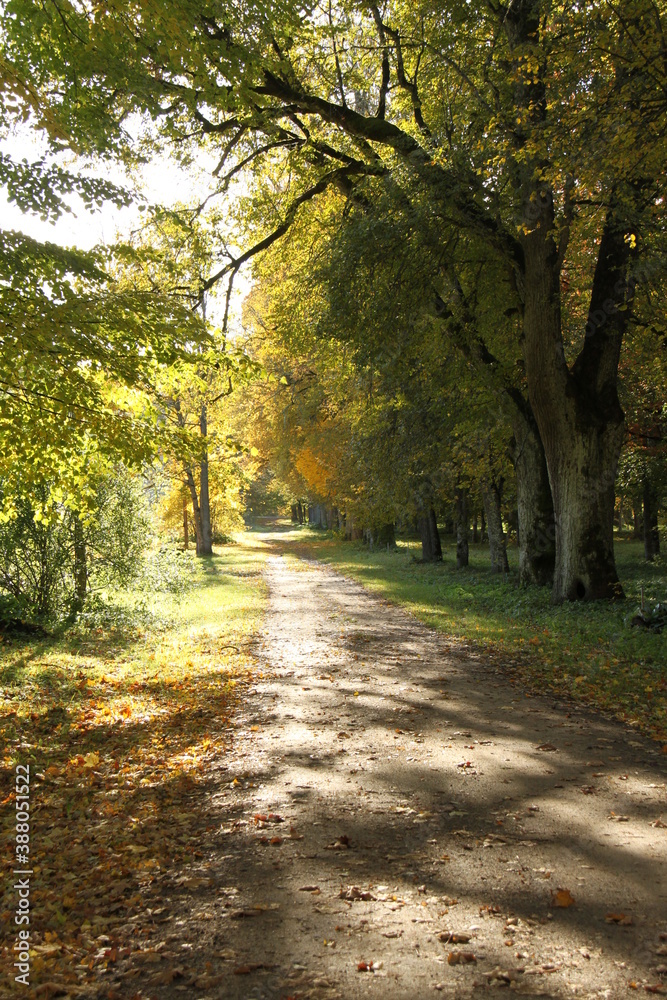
{"x": 123, "y": 729}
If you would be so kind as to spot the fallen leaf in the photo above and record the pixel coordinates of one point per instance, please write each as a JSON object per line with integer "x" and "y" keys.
{"x": 206, "y": 982}
{"x": 450, "y": 937}
{"x": 460, "y": 958}
{"x": 503, "y": 975}
{"x": 354, "y": 892}
{"x": 340, "y": 844}
{"x": 309, "y": 888}
{"x": 562, "y": 898}
{"x": 166, "y": 977}
{"x": 619, "y": 918}
{"x": 547, "y": 747}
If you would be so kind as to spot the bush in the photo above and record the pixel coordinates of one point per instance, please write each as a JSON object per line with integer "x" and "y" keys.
{"x": 51, "y": 555}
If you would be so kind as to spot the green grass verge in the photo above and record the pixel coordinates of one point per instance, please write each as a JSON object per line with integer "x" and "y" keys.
{"x": 148, "y": 655}
{"x": 124, "y": 721}
{"x": 587, "y": 652}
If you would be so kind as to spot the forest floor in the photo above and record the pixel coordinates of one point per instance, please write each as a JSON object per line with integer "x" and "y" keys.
{"x": 385, "y": 813}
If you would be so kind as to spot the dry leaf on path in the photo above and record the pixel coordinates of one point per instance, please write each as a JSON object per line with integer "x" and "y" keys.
{"x": 340, "y": 844}
{"x": 619, "y": 918}
{"x": 562, "y": 898}
{"x": 354, "y": 892}
{"x": 460, "y": 958}
{"x": 450, "y": 937}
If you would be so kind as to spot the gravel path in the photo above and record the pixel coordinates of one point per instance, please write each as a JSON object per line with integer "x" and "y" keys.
{"x": 422, "y": 796}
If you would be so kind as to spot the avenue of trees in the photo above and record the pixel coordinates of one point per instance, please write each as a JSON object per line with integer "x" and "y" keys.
{"x": 454, "y": 218}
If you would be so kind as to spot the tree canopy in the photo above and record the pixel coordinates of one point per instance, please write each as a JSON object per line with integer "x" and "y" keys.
{"x": 476, "y": 186}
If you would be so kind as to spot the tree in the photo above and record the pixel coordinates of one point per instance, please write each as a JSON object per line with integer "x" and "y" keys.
{"x": 49, "y": 564}
{"x": 535, "y": 128}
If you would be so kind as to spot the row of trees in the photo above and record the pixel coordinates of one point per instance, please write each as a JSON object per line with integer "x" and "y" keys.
{"x": 414, "y": 428}
{"x": 462, "y": 206}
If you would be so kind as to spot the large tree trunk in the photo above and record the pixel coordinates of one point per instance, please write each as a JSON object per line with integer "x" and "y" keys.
{"x": 462, "y": 528}
{"x": 651, "y": 533}
{"x": 196, "y": 512}
{"x": 584, "y": 473}
{"x": 428, "y": 529}
{"x": 577, "y": 410}
{"x": 492, "y": 497}
{"x": 80, "y": 565}
{"x": 205, "y": 548}
{"x": 537, "y": 528}
{"x": 578, "y": 413}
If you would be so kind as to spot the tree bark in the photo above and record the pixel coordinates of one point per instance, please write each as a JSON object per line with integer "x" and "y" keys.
{"x": 536, "y": 528}
{"x": 205, "y": 548}
{"x": 430, "y": 536}
{"x": 462, "y": 528}
{"x": 196, "y": 512}
{"x": 578, "y": 412}
{"x": 186, "y": 531}
{"x": 80, "y": 565}
{"x": 492, "y": 497}
{"x": 294, "y": 514}
{"x": 651, "y": 533}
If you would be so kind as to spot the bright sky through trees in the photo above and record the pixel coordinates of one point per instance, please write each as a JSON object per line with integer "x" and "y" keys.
{"x": 162, "y": 181}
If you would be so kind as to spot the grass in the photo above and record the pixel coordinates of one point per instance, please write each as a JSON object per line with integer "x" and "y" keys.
{"x": 119, "y": 725}
{"x": 586, "y": 652}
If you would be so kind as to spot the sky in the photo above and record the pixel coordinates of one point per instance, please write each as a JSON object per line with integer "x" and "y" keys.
{"x": 161, "y": 182}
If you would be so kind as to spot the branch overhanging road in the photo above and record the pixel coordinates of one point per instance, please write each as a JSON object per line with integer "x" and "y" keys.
{"x": 388, "y": 787}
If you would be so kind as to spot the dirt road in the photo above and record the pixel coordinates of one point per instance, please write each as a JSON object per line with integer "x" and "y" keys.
{"x": 422, "y": 796}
